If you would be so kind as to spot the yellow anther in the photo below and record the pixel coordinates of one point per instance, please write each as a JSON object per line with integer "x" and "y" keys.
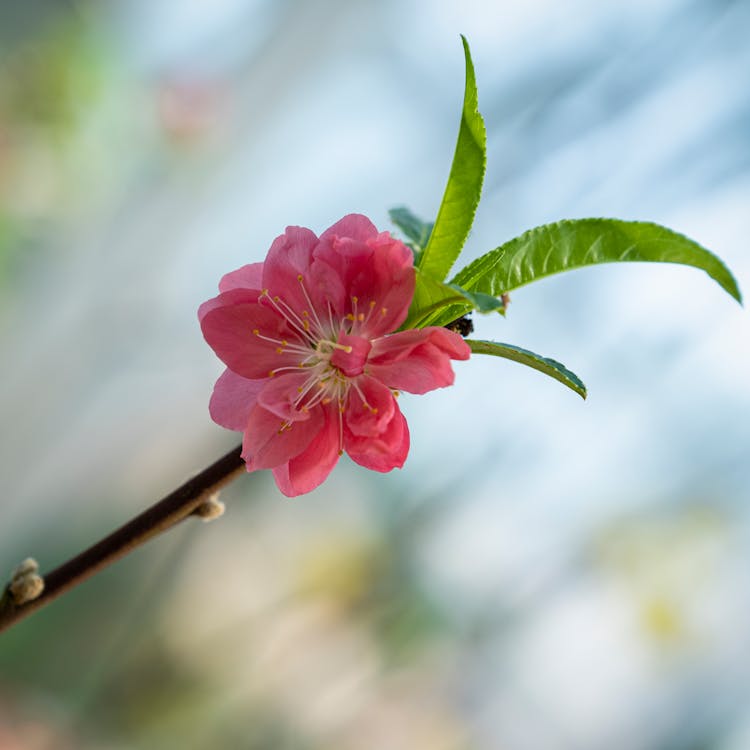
{"x": 374, "y": 410}
{"x": 305, "y": 314}
{"x": 271, "y": 373}
{"x": 306, "y": 325}
{"x": 299, "y": 277}
{"x": 299, "y": 389}
{"x": 256, "y": 331}
{"x": 279, "y": 350}
{"x": 372, "y": 303}
{"x": 326, "y": 401}
{"x": 383, "y": 310}
{"x": 361, "y": 317}
{"x": 349, "y": 316}
{"x": 277, "y": 298}
{"x": 396, "y": 393}
{"x": 264, "y": 293}
{"x": 355, "y": 300}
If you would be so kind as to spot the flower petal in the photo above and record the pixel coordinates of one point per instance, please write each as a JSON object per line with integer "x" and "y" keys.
{"x": 233, "y": 399}
{"x": 417, "y": 360}
{"x": 310, "y": 468}
{"x": 289, "y": 258}
{"x": 270, "y": 441}
{"x": 391, "y": 284}
{"x": 355, "y": 226}
{"x": 227, "y": 299}
{"x": 378, "y": 279}
{"x": 246, "y": 277}
{"x": 385, "y": 452}
{"x": 370, "y": 407}
{"x": 231, "y": 332}
{"x": 280, "y": 393}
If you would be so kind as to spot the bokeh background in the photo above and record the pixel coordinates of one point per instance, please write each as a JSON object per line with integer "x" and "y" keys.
{"x": 544, "y": 573}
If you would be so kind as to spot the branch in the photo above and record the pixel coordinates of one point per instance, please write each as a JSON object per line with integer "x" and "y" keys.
{"x": 175, "y": 507}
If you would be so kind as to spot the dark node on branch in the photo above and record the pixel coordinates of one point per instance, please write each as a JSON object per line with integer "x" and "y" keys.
{"x": 210, "y": 509}
{"x": 25, "y": 583}
{"x": 463, "y": 326}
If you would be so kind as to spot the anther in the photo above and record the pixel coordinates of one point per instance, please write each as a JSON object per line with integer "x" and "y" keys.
{"x": 256, "y": 331}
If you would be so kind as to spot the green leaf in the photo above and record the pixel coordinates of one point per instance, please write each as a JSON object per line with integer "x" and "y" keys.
{"x": 432, "y": 296}
{"x": 566, "y": 245}
{"x": 416, "y": 230}
{"x": 548, "y": 366}
{"x": 464, "y": 187}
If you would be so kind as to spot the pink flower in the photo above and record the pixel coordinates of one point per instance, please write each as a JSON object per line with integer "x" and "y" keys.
{"x": 313, "y": 365}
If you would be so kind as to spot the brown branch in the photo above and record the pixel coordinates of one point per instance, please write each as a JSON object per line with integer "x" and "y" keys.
{"x": 160, "y": 517}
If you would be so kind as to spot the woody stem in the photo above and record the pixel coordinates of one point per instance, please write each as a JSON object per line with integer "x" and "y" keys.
{"x": 164, "y": 515}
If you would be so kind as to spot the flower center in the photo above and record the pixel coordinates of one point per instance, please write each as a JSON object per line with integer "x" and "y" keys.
{"x": 330, "y": 352}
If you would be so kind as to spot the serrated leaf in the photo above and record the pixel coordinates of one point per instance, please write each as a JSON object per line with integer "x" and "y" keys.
{"x": 566, "y": 245}
{"x": 461, "y": 197}
{"x": 543, "y": 364}
{"x": 416, "y": 231}
{"x": 432, "y": 296}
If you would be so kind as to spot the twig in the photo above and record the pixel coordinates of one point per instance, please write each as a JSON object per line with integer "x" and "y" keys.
{"x": 165, "y": 514}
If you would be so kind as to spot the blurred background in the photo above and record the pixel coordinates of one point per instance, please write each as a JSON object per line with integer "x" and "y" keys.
{"x": 544, "y": 572}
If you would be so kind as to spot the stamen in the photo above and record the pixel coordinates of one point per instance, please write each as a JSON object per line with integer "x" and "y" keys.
{"x": 284, "y": 345}
{"x": 312, "y": 381}
{"x": 335, "y": 345}
{"x": 309, "y": 302}
{"x": 288, "y": 314}
{"x": 365, "y": 405}
{"x": 341, "y": 427}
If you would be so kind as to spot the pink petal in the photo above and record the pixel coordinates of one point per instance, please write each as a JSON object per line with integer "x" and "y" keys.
{"x": 392, "y": 284}
{"x": 417, "y": 360}
{"x": 385, "y": 452}
{"x": 247, "y": 277}
{"x": 355, "y": 226}
{"x": 233, "y": 399}
{"x": 270, "y": 442}
{"x": 229, "y": 331}
{"x": 281, "y": 391}
{"x": 377, "y": 276}
{"x": 310, "y": 468}
{"x": 370, "y": 407}
{"x": 226, "y": 299}
{"x": 289, "y": 258}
